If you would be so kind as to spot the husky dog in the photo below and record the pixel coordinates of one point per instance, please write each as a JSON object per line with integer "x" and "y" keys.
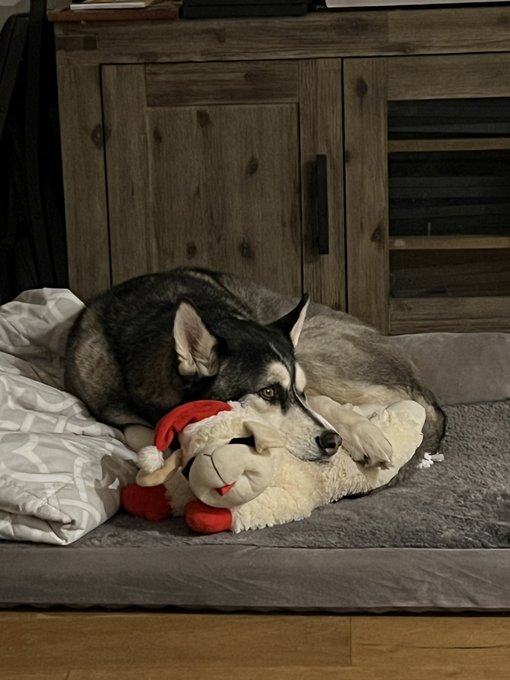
{"x": 159, "y": 340}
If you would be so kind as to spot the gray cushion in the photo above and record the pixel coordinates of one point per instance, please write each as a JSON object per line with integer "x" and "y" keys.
{"x": 461, "y": 367}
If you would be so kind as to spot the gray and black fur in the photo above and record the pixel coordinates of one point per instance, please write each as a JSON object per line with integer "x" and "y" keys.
{"x": 163, "y": 339}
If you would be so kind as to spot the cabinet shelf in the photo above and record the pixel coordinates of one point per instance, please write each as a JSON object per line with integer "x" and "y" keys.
{"x": 433, "y": 145}
{"x": 475, "y": 314}
{"x": 449, "y": 243}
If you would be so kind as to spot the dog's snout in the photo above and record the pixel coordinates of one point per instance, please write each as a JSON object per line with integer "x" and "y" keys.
{"x": 329, "y": 441}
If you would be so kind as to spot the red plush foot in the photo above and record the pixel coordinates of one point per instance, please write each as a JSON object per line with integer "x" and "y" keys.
{"x": 205, "y": 519}
{"x": 148, "y": 502}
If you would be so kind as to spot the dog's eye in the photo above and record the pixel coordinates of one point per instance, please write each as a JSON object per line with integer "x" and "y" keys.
{"x": 268, "y": 393}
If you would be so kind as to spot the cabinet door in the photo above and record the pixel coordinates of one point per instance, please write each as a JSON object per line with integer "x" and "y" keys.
{"x": 427, "y": 201}
{"x": 212, "y": 165}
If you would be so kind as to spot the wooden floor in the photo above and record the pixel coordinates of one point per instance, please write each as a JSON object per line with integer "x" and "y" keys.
{"x": 182, "y": 646}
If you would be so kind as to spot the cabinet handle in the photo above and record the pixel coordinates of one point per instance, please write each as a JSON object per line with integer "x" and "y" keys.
{"x": 322, "y": 216}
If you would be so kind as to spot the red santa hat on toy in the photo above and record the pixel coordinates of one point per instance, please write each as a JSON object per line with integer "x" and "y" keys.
{"x": 151, "y": 457}
{"x": 150, "y": 502}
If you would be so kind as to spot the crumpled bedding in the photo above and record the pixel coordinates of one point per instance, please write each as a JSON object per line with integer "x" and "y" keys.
{"x": 60, "y": 470}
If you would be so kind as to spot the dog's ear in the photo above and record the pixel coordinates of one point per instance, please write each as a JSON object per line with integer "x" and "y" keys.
{"x": 292, "y": 322}
{"x": 194, "y": 345}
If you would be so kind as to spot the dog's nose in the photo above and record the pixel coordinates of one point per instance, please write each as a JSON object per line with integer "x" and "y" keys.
{"x": 329, "y": 441}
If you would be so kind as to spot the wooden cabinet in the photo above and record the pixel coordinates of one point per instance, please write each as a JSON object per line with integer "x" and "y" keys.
{"x": 266, "y": 147}
{"x": 214, "y": 165}
{"x": 446, "y": 266}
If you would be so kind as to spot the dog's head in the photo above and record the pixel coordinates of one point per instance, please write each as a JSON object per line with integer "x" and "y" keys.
{"x": 246, "y": 361}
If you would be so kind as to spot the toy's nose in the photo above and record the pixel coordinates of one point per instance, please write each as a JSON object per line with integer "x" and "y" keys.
{"x": 329, "y": 442}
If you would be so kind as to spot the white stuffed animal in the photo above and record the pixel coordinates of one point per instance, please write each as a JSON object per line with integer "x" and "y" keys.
{"x": 273, "y": 487}
{"x": 298, "y": 487}
{"x": 228, "y": 456}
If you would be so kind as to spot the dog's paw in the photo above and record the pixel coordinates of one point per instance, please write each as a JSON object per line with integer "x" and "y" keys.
{"x": 366, "y": 444}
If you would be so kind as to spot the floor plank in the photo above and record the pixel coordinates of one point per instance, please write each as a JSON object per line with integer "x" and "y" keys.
{"x": 15, "y": 675}
{"x": 192, "y": 672}
{"x": 477, "y": 641}
{"x": 164, "y": 646}
{"x": 81, "y": 640}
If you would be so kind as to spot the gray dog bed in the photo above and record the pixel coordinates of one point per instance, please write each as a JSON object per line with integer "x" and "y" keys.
{"x": 462, "y": 502}
{"x": 435, "y": 540}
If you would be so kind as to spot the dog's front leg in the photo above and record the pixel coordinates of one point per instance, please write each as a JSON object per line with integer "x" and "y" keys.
{"x": 363, "y": 441}
{"x": 138, "y": 436}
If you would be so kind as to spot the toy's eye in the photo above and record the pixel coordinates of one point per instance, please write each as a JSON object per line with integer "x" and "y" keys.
{"x": 268, "y": 393}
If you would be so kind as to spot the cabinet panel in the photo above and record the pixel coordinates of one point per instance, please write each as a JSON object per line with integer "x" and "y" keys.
{"x": 437, "y": 184}
{"x": 321, "y": 130}
{"x": 213, "y": 185}
{"x": 227, "y": 177}
{"x": 214, "y": 165}
{"x": 366, "y": 190}
{"x": 478, "y": 314}
{"x": 225, "y": 83}
{"x": 462, "y": 76}
{"x": 128, "y": 180}
{"x": 81, "y": 131}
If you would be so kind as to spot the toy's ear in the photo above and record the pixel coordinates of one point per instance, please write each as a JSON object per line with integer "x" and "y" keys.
{"x": 265, "y": 437}
{"x": 194, "y": 345}
{"x": 292, "y": 322}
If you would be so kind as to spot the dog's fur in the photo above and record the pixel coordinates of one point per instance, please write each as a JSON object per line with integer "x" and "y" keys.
{"x": 162, "y": 339}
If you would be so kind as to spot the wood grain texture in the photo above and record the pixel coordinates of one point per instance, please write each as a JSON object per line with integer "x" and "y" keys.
{"x": 468, "y": 144}
{"x": 449, "y": 77}
{"x": 449, "y": 242}
{"x": 367, "y": 199}
{"x": 81, "y": 640}
{"x": 161, "y": 646}
{"x": 82, "y": 137}
{"x": 446, "y": 274}
{"x": 366, "y": 188}
{"x": 449, "y": 30}
{"x": 221, "y": 83}
{"x": 321, "y": 132}
{"x": 420, "y": 641}
{"x": 210, "y": 185}
{"x": 213, "y": 128}
{"x": 132, "y": 240}
{"x": 226, "y": 190}
{"x": 15, "y": 674}
{"x": 191, "y": 672}
{"x": 317, "y": 35}
{"x": 162, "y": 11}
{"x": 475, "y": 314}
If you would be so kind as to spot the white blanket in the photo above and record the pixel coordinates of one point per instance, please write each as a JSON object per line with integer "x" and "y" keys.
{"x": 60, "y": 470}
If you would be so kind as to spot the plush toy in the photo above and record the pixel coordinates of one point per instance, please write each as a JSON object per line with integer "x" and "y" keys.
{"x": 298, "y": 487}
{"x": 226, "y": 459}
{"x": 254, "y": 481}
